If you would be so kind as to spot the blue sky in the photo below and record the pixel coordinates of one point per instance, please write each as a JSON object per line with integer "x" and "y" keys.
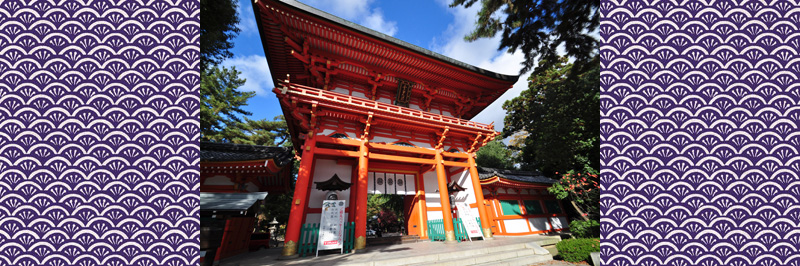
{"x": 429, "y": 24}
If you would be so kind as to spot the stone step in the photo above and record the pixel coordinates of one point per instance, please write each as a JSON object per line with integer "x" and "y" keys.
{"x": 552, "y": 249}
{"x": 526, "y": 260}
{"x": 510, "y": 254}
{"x": 517, "y": 254}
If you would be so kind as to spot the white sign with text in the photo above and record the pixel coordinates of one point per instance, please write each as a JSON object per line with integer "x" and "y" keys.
{"x": 469, "y": 221}
{"x": 331, "y": 225}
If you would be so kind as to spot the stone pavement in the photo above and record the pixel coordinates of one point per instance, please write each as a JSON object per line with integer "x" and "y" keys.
{"x": 500, "y": 249}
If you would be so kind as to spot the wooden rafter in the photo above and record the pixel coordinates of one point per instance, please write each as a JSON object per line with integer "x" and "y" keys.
{"x": 367, "y": 124}
{"x": 442, "y": 137}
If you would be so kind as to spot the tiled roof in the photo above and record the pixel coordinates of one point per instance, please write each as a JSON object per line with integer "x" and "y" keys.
{"x": 523, "y": 176}
{"x": 229, "y": 201}
{"x": 220, "y": 152}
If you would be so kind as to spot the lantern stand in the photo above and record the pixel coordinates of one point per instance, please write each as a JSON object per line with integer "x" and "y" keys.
{"x": 273, "y": 232}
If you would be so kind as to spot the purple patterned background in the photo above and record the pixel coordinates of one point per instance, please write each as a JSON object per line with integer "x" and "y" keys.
{"x": 98, "y": 151}
{"x": 700, "y": 111}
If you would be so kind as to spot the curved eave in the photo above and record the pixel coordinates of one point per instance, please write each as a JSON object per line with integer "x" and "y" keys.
{"x": 392, "y": 40}
{"x": 498, "y": 181}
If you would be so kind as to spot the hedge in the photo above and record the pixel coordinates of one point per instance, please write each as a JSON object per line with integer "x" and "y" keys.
{"x": 585, "y": 229}
{"x": 578, "y": 249}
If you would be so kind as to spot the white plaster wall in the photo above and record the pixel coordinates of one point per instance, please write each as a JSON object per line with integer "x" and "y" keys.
{"x": 313, "y": 218}
{"x": 327, "y": 132}
{"x": 432, "y": 199}
{"x": 382, "y": 139}
{"x": 342, "y": 90}
{"x": 218, "y": 180}
{"x": 384, "y": 100}
{"x": 539, "y": 224}
{"x": 323, "y": 170}
{"x": 249, "y": 186}
{"x": 559, "y": 222}
{"x": 464, "y": 180}
{"x": 359, "y": 94}
{"x": 434, "y": 215}
{"x": 516, "y": 225}
{"x": 421, "y": 144}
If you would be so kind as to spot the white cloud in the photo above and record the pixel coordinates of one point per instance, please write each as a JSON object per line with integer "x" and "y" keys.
{"x": 247, "y": 21}
{"x": 358, "y": 11}
{"x": 255, "y": 70}
{"x": 376, "y": 22}
{"x": 482, "y": 53}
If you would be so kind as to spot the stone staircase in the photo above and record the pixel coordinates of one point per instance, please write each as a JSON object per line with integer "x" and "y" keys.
{"x": 511, "y": 254}
{"x": 392, "y": 240}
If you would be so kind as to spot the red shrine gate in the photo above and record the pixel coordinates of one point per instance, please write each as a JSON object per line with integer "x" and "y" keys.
{"x": 358, "y": 101}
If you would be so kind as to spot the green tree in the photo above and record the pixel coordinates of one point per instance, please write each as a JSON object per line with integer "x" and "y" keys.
{"x": 560, "y": 114}
{"x": 582, "y": 191}
{"x": 221, "y": 102}
{"x": 260, "y": 132}
{"x": 495, "y": 155}
{"x": 538, "y": 28}
{"x": 218, "y": 28}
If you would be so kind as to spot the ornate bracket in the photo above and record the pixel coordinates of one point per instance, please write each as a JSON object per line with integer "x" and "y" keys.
{"x": 367, "y": 124}
{"x": 442, "y": 137}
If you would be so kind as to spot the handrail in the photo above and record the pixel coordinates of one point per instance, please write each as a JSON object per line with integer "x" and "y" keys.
{"x": 366, "y": 103}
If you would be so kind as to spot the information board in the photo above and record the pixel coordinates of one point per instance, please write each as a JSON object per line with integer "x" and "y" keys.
{"x": 331, "y": 225}
{"x": 469, "y": 221}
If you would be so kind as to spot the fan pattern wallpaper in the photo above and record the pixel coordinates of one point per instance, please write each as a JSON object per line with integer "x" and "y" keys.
{"x": 700, "y": 112}
{"x": 98, "y": 151}
{"x": 98, "y": 136}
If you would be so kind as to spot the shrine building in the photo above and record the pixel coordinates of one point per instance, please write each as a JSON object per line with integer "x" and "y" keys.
{"x": 381, "y": 114}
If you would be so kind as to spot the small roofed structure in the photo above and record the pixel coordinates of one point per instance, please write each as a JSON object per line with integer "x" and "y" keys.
{"x": 520, "y": 203}
{"x": 333, "y": 184}
{"x": 226, "y": 222}
{"x": 233, "y": 178}
{"x": 229, "y": 167}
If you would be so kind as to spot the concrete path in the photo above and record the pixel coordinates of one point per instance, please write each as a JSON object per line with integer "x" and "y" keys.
{"x": 411, "y": 253}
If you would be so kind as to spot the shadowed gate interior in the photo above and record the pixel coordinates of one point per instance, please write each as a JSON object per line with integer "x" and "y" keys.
{"x": 393, "y": 206}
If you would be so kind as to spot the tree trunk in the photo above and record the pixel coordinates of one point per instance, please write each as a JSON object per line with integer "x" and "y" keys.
{"x": 583, "y": 214}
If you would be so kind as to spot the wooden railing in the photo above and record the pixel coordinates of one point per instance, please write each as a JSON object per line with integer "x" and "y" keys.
{"x": 436, "y": 229}
{"x": 322, "y": 95}
{"x": 309, "y": 236}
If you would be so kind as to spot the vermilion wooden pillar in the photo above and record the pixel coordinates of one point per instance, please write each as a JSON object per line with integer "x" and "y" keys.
{"x": 476, "y": 185}
{"x": 361, "y": 197}
{"x": 423, "y": 208}
{"x": 300, "y": 199}
{"x": 447, "y": 213}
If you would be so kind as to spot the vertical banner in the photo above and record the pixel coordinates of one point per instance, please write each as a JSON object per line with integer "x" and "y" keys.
{"x": 391, "y": 185}
{"x": 473, "y": 229}
{"x": 331, "y": 225}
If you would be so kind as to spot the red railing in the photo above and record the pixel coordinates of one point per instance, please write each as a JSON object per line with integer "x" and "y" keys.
{"x": 335, "y": 97}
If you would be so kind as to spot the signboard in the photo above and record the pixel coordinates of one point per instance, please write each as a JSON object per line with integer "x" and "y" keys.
{"x": 470, "y": 223}
{"x": 331, "y": 225}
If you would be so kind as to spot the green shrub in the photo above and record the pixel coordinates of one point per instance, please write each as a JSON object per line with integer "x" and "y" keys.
{"x": 585, "y": 229}
{"x": 578, "y": 249}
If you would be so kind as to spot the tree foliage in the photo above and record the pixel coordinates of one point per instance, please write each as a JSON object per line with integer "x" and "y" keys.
{"x": 495, "y": 155}
{"x": 221, "y": 102}
{"x": 388, "y": 208}
{"x": 582, "y": 190}
{"x": 218, "y": 28}
{"x": 538, "y": 28}
{"x": 260, "y": 132}
{"x": 560, "y": 114}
